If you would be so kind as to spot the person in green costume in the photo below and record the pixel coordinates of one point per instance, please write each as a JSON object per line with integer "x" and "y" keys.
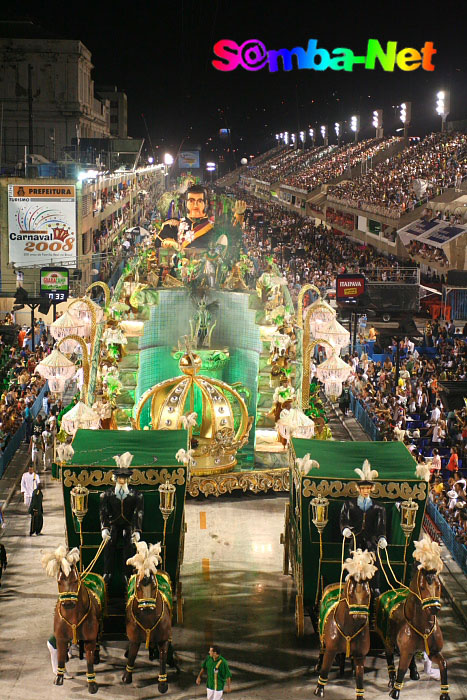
{"x": 218, "y": 673}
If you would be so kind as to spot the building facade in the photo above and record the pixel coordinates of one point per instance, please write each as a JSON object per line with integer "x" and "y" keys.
{"x": 118, "y": 104}
{"x": 47, "y": 94}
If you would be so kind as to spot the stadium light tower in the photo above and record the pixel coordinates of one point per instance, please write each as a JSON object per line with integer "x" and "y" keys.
{"x": 286, "y": 138}
{"x": 405, "y": 116}
{"x": 378, "y": 122}
{"x": 293, "y": 138}
{"x": 311, "y": 134}
{"x": 337, "y": 129}
{"x": 355, "y": 125}
{"x": 443, "y": 106}
{"x": 302, "y": 137}
{"x": 324, "y": 134}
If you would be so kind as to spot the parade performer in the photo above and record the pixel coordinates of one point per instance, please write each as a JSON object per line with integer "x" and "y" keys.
{"x": 29, "y": 482}
{"x": 36, "y": 511}
{"x": 121, "y": 515}
{"x": 218, "y": 673}
{"x": 365, "y": 518}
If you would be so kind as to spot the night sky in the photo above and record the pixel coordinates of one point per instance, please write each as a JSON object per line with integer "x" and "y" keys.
{"x": 161, "y": 53}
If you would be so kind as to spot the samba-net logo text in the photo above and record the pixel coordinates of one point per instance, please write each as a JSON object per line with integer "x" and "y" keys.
{"x": 252, "y": 55}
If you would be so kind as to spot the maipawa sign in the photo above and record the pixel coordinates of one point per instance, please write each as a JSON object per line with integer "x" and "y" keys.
{"x": 349, "y": 287}
{"x": 42, "y": 225}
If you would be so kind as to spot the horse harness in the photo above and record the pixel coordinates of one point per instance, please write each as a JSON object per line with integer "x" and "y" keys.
{"x": 146, "y": 603}
{"x": 353, "y": 610}
{"x": 73, "y": 596}
{"x": 425, "y": 603}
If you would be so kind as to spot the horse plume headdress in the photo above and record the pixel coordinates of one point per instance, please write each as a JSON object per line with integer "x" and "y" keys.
{"x": 422, "y": 471}
{"x": 366, "y": 474}
{"x": 146, "y": 558}
{"x": 428, "y": 553}
{"x": 360, "y": 565}
{"x": 59, "y": 559}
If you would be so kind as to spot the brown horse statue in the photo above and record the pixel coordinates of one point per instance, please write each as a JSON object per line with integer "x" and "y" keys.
{"x": 78, "y": 610}
{"x": 407, "y": 619}
{"x": 148, "y": 611}
{"x": 344, "y": 619}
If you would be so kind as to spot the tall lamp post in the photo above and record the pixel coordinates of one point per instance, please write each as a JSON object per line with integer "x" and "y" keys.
{"x": 405, "y": 115}
{"x": 168, "y": 161}
{"x": 443, "y": 106}
{"x": 355, "y": 125}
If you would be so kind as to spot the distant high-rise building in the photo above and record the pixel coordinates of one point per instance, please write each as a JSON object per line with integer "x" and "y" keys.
{"x": 47, "y": 93}
{"x": 118, "y": 110}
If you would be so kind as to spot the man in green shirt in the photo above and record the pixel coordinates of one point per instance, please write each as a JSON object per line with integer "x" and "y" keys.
{"x": 218, "y": 672}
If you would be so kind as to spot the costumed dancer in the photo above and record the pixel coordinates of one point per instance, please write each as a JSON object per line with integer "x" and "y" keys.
{"x": 36, "y": 511}
{"x": 121, "y": 515}
{"x": 365, "y": 518}
{"x": 29, "y": 482}
{"x": 36, "y": 451}
{"x": 48, "y": 444}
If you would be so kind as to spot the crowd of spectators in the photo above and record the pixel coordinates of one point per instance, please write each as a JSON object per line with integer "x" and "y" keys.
{"x": 438, "y": 161}
{"x": 428, "y": 252}
{"x": 291, "y": 238}
{"x": 20, "y": 382}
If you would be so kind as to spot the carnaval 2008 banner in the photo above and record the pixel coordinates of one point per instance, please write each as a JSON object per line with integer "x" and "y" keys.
{"x": 42, "y": 224}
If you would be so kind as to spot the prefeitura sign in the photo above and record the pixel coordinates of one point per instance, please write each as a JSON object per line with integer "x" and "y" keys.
{"x": 42, "y": 225}
{"x": 349, "y": 287}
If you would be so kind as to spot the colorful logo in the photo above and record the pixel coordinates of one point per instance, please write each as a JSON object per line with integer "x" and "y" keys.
{"x": 252, "y": 55}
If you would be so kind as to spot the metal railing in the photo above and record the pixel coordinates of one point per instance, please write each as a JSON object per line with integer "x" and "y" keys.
{"x": 457, "y": 549}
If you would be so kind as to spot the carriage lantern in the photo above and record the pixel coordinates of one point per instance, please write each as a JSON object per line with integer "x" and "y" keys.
{"x": 167, "y": 498}
{"x": 408, "y": 513}
{"x": 166, "y": 506}
{"x": 79, "y": 502}
{"x": 320, "y": 506}
{"x": 79, "y": 505}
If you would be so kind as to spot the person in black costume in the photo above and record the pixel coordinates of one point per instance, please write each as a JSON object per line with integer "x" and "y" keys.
{"x": 121, "y": 515}
{"x": 366, "y": 519}
{"x": 36, "y": 511}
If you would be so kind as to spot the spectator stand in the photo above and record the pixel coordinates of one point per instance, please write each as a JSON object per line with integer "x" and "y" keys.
{"x": 15, "y": 441}
{"x": 457, "y": 549}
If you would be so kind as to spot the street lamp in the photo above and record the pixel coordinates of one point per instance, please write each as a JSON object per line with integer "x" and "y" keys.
{"x": 443, "y": 106}
{"x": 286, "y": 138}
{"x": 168, "y": 161}
{"x": 302, "y": 137}
{"x": 211, "y": 167}
{"x": 355, "y": 125}
{"x": 311, "y": 134}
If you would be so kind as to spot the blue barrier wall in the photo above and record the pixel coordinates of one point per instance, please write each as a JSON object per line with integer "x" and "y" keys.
{"x": 457, "y": 549}
{"x": 364, "y": 418}
{"x": 16, "y": 439}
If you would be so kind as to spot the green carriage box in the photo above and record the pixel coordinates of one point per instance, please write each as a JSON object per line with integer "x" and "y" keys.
{"x": 153, "y": 464}
{"x": 314, "y": 565}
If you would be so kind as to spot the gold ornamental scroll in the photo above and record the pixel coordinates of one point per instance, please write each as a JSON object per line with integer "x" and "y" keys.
{"x": 306, "y": 288}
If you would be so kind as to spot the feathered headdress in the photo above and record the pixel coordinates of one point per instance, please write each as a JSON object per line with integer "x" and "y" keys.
{"x": 146, "y": 558}
{"x": 428, "y": 553}
{"x": 65, "y": 452}
{"x": 360, "y": 565}
{"x": 423, "y": 471}
{"x": 366, "y": 474}
{"x": 60, "y": 559}
{"x": 304, "y": 464}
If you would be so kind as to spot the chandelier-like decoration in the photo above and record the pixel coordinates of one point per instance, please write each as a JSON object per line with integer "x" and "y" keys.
{"x": 132, "y": 329}
{"x": 294, "y": 423}
{"x": 318, "y": 314}
{"x": 80, "y": 416}
{"x": 69, "y": 324}
{"x": 57, "y": 369}
{"x": 333, "y": 373}
{"x": 335, "y": 334}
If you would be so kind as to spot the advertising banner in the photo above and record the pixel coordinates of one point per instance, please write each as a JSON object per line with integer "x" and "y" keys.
{"x": 55, "y": 283}
{"x": 188, "y": 159}
{"x": 349, "y": 286}
{"x": 42, "y": 225}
